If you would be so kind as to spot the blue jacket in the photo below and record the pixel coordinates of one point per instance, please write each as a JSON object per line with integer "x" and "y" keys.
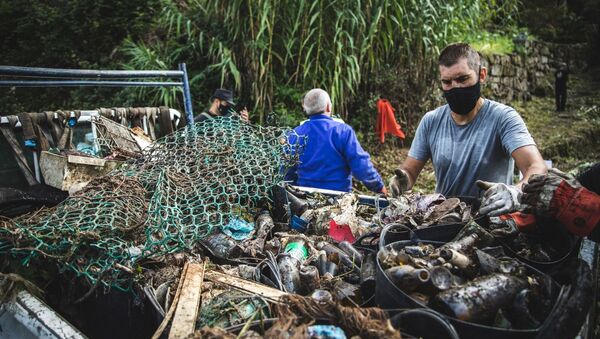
{"x": 331, "y": 156}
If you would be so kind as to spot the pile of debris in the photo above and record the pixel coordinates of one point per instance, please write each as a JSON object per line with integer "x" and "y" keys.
{"x": 202, "y": 227}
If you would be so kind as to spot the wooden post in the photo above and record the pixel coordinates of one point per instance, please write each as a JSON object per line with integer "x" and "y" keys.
{"x": 184, "y": 321}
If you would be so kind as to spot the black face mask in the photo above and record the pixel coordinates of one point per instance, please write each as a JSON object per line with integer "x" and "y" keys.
{"x": 462, "y": 100}
{"x": 224, "y": 110}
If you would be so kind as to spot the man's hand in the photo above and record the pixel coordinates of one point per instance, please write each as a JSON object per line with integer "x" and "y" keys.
{"x": 244, "y": 114}
{"x": 399, "y": 183}
{"x": 384, "y": 191}
{"x": 541, "y": 189}
{"x": 498, "y": 198}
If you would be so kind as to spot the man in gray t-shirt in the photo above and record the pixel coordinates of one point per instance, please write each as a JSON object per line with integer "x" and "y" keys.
{"x": 478, "y": 150}
{"x": 471, "y": 139}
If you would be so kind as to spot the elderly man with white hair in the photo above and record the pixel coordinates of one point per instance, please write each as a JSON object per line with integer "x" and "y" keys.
{"x": 332, "y": 153}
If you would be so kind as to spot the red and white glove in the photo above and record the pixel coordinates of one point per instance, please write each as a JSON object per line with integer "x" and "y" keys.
{"x": 561, "y": 196}
{"x": 511, "y": 224}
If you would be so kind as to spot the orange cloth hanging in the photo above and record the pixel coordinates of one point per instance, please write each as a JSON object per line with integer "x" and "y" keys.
{"x": 386, "y": 121}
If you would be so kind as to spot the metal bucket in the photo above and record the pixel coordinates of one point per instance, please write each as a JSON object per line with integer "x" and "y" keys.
{"x": 389, "y": 296}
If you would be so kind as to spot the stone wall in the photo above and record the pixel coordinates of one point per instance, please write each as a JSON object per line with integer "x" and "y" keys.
{"x": 520, "y": 75}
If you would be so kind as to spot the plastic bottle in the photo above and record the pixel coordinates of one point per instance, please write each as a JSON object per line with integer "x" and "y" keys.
{"x": 355, "y": 256}
{"x": 344, "y": 258}
{"x": 480, "y": 299}
{"x": 407, "y": 278}
{"x": 289, "y": 263}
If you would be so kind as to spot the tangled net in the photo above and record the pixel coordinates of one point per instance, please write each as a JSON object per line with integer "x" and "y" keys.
{"x": 232, "y": 308}
{"x": 296, "y": 313}
{"x": 165, "y": 201}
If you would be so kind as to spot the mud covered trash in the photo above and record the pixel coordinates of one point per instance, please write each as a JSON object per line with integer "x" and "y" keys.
{"x": 268, "y": 260}
{"x": 422, "y": 210}
{"x": 467, "y": 280}
{"x": 548, "y": 244}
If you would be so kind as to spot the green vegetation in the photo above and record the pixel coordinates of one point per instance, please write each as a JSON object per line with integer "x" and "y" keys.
{"x": 491, "y": 43}
{"x": 68, "y": 34}
{"x": 259, "y": 47}
{"x": 269, "y": 52}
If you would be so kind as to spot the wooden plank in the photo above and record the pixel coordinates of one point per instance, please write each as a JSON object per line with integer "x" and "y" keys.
{"x": 171, "y": 310}
{"x": 184, "y": 321}
{"x": 244, "y": 285}
{"x": 77, "y": 159}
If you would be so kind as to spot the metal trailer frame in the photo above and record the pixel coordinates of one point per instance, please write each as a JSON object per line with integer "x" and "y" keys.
{"x": 59, "y": 77}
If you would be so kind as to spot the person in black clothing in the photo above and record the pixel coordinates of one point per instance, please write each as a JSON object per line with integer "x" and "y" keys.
{"x": 560, "y": 86}
{"x": 575, "y": 203}
{"x": 590, "y": 178}
{"x": 221, "y": 105}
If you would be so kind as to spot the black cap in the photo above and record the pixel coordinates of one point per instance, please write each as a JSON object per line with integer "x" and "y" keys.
{"x": 223, "y": 94}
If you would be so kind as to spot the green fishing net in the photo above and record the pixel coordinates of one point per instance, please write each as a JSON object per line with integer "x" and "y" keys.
{"x": 181, "y": 188}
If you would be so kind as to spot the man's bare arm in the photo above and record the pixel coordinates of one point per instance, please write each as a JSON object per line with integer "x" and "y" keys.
{"x": 412, "y": 167}
{"x": 529, "y": 161}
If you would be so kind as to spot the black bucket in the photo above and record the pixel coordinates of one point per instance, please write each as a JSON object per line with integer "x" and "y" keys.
{"x": 115, "y": 314}
{"x": 397, "y": 232}
{"x": 437, "y": 232}
{"x": 424, "y": 323}
{"x": 566, "y": 245}
{"x": 389, "y": 296}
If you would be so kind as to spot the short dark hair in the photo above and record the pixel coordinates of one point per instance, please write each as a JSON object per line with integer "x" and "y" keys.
{"x": 452, "y": 53}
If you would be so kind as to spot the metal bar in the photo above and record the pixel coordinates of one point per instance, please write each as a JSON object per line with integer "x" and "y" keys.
{"x": 84, "y": 73}
{"x": 85, "y": 116}
{"x": 145, "y": 123}
{"x": 364, "y": 199}
{"x": 36, "y": 167}
{"x": 96, "y": 147}
{"x": 187, "y": 97}
{"x": 37, "y": 318}
{"x": 74, "y": 83}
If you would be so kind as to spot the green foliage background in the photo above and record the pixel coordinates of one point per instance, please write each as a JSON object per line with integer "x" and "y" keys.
{"x": 268, "y": 51}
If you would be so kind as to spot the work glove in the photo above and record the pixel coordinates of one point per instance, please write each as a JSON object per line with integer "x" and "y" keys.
{"x": 508, "y": 225}
{"x": 498, "y": 198}
{"x": 561, "y": 196}
{"x": 399, "y": 183}
{"x": 540, "y": 189}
